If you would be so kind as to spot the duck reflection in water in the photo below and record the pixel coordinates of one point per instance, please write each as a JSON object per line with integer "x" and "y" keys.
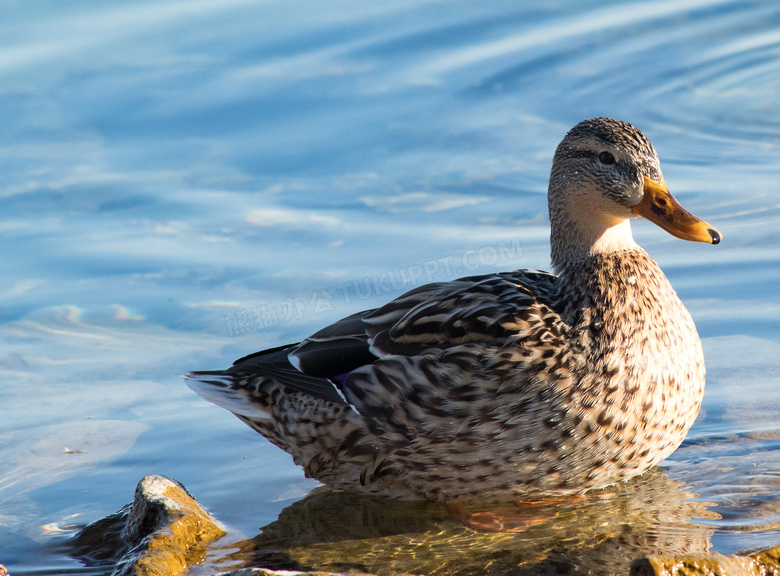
{"x": 339, "y": 531}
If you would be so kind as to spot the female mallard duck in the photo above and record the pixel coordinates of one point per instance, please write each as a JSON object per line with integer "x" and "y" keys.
{"x": 504, "y": 386}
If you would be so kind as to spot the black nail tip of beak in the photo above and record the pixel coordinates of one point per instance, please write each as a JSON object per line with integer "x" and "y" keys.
{"x": 715, "y": 235}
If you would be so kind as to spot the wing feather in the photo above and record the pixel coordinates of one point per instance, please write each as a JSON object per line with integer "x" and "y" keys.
{"x": 486, "y": 309}
{"x": 483, "y": 311}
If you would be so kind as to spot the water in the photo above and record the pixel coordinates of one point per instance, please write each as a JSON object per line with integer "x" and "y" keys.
{"x": 182, "y": 183}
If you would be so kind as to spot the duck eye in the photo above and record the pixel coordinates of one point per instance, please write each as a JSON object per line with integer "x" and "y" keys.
{"x": 606, "y": 158}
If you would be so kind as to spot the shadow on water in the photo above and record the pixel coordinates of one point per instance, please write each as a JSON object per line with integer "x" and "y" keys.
{"x": 336, "y": 531}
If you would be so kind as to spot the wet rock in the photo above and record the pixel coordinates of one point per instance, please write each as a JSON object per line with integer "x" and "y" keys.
{"x": 101, "y": 543}
{"x": 769, "y": 560}
{"x": 167, "y": 529}
{"x": 162, "y": 532}
{"x": 710, "y": 565}
{"x": 264, "y": 572}
{"x": 758, "y": 564}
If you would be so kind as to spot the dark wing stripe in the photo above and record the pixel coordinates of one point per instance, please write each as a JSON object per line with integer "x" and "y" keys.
{"x": 351, "y": 326}
{"x": 276, "y": 365}
{"x": 330, "y": 358}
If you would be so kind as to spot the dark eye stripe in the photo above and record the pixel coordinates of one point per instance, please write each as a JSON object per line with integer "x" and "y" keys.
{"x": 572, "y": 153}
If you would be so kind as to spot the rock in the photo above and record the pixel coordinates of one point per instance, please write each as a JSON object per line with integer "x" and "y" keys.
{"x": 264, "y": 572}
{"x": 703, "y": 565}
{"x": 101, "y": 543}
{"x": 758, "y": 564}
{"x": 167, "y": 529}
{"x": 162, "y": 532}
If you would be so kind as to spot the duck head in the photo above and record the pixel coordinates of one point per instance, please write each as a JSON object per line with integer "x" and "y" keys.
{"x": 605, "y": 172}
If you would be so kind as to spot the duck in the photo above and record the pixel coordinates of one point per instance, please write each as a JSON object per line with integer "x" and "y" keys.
{"x": 507, "y": 386}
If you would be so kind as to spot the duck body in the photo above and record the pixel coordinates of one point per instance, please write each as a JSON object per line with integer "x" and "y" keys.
{"x": 500, "y": 387}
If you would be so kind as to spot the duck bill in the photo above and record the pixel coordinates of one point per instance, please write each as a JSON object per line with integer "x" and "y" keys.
{"x": 660, "y": 207}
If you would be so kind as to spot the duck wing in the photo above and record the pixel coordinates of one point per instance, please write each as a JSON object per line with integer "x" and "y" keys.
{"x": 479, "y": 309}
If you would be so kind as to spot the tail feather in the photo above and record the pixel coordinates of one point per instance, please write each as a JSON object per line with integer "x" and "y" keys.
{"x": 244, "y": 387}
{"x": 219, "y": 388}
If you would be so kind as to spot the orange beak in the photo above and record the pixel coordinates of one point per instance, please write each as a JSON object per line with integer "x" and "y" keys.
{"x": 659, "y": 206}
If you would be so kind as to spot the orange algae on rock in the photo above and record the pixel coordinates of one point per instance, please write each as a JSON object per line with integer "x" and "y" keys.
{"x": 167, "y": 530}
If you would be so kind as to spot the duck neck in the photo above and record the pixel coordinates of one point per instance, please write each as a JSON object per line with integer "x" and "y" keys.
{"x": 574, "y": 241}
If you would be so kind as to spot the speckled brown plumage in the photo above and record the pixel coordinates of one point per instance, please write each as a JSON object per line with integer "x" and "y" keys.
{"x": 505, "y": 386}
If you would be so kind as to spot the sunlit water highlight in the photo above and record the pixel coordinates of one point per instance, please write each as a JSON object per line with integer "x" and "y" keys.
{"x": 185, "y": 182}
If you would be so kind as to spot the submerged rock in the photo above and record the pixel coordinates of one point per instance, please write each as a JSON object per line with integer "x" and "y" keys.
{"x": 264, "y": 572}
{"x": 758, "y": 564}
{"x": 162, "y": 532}
{"x": 709, "y": 565}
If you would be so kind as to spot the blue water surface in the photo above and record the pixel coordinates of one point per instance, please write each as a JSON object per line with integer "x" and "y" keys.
{"x": 182, "y": 183}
